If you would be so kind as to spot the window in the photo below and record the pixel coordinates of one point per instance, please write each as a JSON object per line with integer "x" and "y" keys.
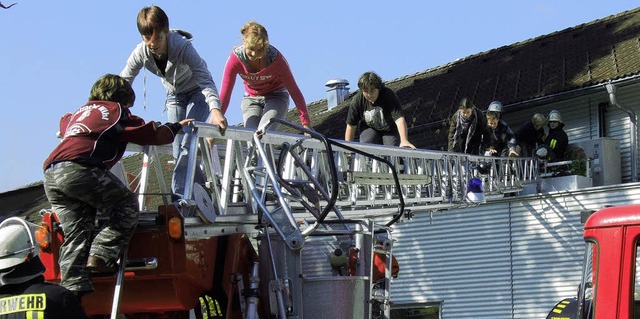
{"x": 636, "y": 285}
{"x": 586, "y": 289}
{"x": 419, "y": 310}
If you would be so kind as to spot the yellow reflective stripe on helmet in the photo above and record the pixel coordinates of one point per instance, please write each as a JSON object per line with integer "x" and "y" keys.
{"x": 553, "y": 143}
{"x": 35, "y": 315}
{"x": 23, "y": 303}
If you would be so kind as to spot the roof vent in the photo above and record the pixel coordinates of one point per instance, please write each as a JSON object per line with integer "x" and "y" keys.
{"x": 337, "y": 92}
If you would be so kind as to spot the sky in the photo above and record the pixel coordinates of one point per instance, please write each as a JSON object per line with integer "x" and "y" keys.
{"x": 51, "y": 52}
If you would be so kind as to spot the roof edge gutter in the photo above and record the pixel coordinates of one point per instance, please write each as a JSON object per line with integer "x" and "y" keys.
{"x": 548, "y": 99}
{"x": 633, "y": 117}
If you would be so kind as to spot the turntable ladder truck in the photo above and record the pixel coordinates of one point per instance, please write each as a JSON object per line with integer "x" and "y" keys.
{"x": 285, "y": 225}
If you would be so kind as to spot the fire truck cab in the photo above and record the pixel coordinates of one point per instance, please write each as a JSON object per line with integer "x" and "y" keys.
{"x": 610, "y": 286}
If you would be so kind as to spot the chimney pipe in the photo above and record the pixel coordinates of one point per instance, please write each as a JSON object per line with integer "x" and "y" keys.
{"x": 337, "y": 92}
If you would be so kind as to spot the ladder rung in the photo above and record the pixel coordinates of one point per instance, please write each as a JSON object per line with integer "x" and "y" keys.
{"x": 387, "y": 179}
{"x": 141, "y": 264}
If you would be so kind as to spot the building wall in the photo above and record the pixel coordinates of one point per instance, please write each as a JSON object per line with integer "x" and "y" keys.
{"x": 507, "y": 259}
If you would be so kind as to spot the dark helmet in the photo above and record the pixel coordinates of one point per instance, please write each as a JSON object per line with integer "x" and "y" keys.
{"x": 484, "y": 167}
{"x": 19, "y": 261}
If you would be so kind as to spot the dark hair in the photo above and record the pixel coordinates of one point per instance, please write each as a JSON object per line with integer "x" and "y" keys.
{"x": 369, "y": 81}
{"x": 465, "y": 103}
{"x": 151, "y": 20}
{"x": 111, "y": 87}
{"x": 493, "y": 114}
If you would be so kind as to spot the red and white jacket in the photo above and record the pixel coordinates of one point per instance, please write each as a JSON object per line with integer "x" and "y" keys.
{"x": 98, "y": 132}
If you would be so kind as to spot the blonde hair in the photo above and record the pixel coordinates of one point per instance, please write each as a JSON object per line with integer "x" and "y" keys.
{"x": 255, "y": 36}
{"x": 538, "y": 119}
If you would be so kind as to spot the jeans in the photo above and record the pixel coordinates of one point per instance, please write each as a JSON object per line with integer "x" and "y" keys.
{"x": 179, "y": 107}
{"x": 258, "y": 110}
{"x": 372, "y": 136}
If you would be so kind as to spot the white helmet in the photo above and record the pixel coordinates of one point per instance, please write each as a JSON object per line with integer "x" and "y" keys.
{"x": 19, "y": 251}
{"x": 18, "y": 242}
{"x": 554, "y": 116}
{"x": 495, "y": 106}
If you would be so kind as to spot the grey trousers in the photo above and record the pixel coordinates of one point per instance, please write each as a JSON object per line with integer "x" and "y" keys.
{"x": 258, "y": 110}
{"x": 76, "y": 193}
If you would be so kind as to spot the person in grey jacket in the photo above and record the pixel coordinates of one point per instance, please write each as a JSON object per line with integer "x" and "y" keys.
{"x": 191, "y": 91}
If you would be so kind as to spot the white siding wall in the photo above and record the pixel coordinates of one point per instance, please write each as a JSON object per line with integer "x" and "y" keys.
{"x": 509, "y": 259}
{"x": 618, "y": 125}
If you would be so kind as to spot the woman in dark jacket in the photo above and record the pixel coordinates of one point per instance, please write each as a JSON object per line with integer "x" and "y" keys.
{"x": 466, "y": 129}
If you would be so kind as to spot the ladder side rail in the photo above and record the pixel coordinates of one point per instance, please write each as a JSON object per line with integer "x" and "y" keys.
{"x": 532, "y": 171}
{"x": 227, "y": 176}
{"x": 465, "y": 172}
{"x": 408, "y": 168}
{"x": 191, "y": 163}
{"x": 373, "y": 189}
{"x": 231, "y": 169}
{"x": 494, "y": 183}
{"x": 422, "y": 168}
{"x": 290, "y": 153}
{"x": 216, "y": 166}
{"x": 516, "y": 173}
{"x": 454, "y": 177}
{"x": 157, "y": 168}
{"x": 120, "y": 171}
{"x": 437, "y": 167}
{"x": 388, "y": 189}
{"x": 241, "y": 162}
{"x": 401, "y": 203}
{"x": 318, "y": 187}
{"x": 387, "y": 252}
{"x": 409, "y": 190}
{"x": 358, "y": 166}
{"x": 509, "y": 174}
{"x": 294, "y": 238}
{"x": 344, "y": 161}
{"x": 506, "y": 178}
{"x": 317, "y": 161}
{"x": 529, "y": 175}
{"x": 150, "y": 155}
{"x": 523, "y": 176}
{"x": 210, "y": 156}
{"x": 319, "y": 169}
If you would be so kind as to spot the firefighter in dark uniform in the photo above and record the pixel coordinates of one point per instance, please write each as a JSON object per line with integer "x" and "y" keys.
{"x": 23, "y": 292}
{"x": 556, "y": 143}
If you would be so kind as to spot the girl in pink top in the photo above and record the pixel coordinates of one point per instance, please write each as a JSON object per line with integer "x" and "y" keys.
{"x": 268, "y": 82}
